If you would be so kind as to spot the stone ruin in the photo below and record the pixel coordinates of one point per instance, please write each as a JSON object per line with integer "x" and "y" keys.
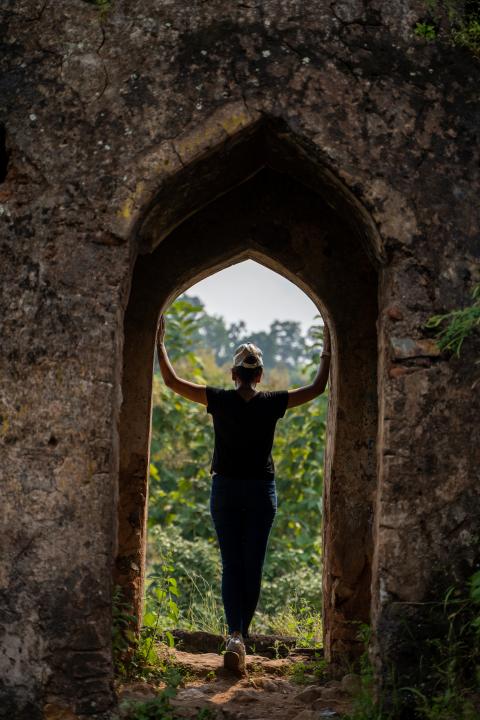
{"x": 146, "y": 145}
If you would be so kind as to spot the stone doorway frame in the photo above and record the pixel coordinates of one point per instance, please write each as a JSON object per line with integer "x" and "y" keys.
{"x": 170, "y": 224}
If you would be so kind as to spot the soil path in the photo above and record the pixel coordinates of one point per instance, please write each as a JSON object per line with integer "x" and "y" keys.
{"x": 274, "y": 688}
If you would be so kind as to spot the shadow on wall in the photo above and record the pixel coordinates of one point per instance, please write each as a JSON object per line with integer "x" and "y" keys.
{"x": 4, "y": 153}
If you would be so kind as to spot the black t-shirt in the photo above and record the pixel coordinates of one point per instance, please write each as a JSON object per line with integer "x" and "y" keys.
{"x": 244, "y": 431}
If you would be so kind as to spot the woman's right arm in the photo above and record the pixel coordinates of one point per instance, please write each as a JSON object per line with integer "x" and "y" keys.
{"x": 189, "y": 390}
{"x": 309, "y": 392}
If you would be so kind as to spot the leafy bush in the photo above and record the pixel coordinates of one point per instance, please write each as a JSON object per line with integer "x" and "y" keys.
{"x": 297, "y": 619}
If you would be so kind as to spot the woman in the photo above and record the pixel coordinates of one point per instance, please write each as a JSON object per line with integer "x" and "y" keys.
{"x": 243, "y": 498}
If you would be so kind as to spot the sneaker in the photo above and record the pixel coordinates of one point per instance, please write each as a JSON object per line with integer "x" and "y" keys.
{"x": 234, "y": 658}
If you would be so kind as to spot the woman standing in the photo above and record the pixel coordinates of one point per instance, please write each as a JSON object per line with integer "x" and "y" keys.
{"x": 243, "y": 499}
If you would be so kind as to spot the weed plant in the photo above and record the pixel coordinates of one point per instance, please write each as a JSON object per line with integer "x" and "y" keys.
{"x": 139, "y": 657}
{"x": 123, "y": 636}
{"x": 456, "y": 20}
{"x": 159, "y": 707}
{"x": 162, "y": 611}
{"x": 425, "y": 30}
{"x": 308, "y": 671}
{"x": 365, "y": 706}
{"x": 453, "y": 327}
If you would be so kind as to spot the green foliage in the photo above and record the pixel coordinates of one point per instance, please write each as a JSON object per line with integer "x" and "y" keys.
{"x": 197, "y": 569}
{"x": 468, "y": 36}
{"x": 291, "y": 596}
{"x": 205, "y": 714}
{"x": 123, "y": 636}
{"x": 453, "y": 327}
{"x": 152, "y": 662}
{"x": 308, "y": 671}
{"x": 450, "y": 659}
{"x": 139, "y": 657}
{"x": 458, "y": 21}
{"x": 101, "y": 4}
{"x": 185, "y": 317}
{"x": 365, "y": 707}
{"x": 299, "y": 618}
{"x": 447, "y": 676}
{"x": 425, "y": 30}
{"x": 162, "y": 611}
{"x": 159, "y": 708}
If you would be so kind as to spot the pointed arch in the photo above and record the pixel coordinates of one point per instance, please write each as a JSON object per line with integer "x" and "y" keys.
{"x": 260, "y": 194}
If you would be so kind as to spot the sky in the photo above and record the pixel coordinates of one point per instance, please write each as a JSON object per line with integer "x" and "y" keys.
{"x": 251, "y": 292}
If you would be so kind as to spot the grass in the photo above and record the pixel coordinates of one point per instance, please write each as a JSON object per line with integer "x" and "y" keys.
{"x": 452, "y": 328}
{"x": 298, "y": 620}
{"x": 308, "y": 671}
{"x": 204, "y": 611}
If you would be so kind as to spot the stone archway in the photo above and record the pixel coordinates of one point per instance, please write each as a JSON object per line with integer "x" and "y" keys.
{"x": 280, "y": 208}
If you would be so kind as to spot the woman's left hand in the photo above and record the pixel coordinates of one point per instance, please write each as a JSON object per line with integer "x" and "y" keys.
{"x": 161, "y": 329}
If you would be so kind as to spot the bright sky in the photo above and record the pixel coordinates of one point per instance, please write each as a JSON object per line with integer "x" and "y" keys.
{"x": 251, "y": 292}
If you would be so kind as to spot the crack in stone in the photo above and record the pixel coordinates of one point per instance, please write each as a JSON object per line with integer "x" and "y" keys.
{"x": 36, "y": 18}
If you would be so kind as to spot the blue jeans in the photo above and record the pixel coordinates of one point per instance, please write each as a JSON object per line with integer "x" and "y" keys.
{"x": 243, "y": 510}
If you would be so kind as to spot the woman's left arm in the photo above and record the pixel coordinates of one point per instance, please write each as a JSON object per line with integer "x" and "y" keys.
{"x": 301, "y": 395}
{"x": 189, "y": 390}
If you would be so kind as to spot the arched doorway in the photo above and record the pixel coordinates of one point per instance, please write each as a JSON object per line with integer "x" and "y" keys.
{"x": 277, "y": 207}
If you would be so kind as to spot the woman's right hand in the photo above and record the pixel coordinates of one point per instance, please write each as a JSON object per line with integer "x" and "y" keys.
{"x": 326, "y": 339}
{"x": 189, "y": 390}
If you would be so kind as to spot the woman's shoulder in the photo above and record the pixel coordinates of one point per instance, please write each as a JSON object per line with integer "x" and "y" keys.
{"x": 275, "y": 402}
{"x": 268, "y": 394}
{"x": 217, "y": 399}
{"x": 218, "y": 392}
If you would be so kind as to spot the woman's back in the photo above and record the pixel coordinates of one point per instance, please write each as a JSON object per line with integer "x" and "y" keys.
{"x": 244, "y": 430}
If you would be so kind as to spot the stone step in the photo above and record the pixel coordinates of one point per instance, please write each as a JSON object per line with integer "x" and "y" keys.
{"x": 271, "y": 646}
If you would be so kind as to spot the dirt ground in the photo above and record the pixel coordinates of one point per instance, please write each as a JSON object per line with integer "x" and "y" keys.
{"x": 278, "y": 688}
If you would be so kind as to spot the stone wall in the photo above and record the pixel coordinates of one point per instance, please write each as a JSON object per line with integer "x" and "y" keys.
{"x": 107, "y": 116}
